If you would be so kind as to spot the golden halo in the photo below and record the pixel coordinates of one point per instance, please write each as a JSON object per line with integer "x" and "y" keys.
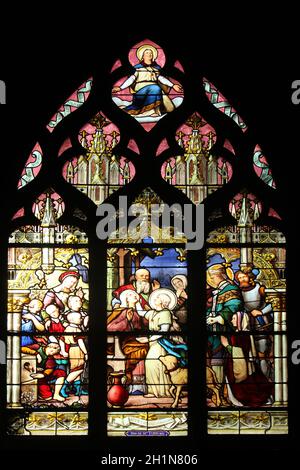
{"x": 229, "y": 272}
{"x": 165, "y": 291}
{"x": 140, "y": 51}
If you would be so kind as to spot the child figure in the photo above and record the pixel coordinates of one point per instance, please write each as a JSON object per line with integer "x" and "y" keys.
{"x": 162, "y": 302}
{"x": 50, "y": 376}
{"x": 75, "y": 305}
{"x": 77, "y": 354}
{"x": 53, "y": 374}
{"x": 53, "y": 322}
{"x": 54, "y": 325}
{"x": 31, "y": 323}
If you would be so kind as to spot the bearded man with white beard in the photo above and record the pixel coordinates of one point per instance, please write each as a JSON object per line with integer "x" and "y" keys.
{"x": 141, "y": 284}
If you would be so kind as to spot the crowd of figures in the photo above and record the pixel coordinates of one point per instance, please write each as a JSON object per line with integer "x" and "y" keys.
{"x": 240, "y": 342}
{"x": 153, "y": 316}
{"x": 53, "y": 331}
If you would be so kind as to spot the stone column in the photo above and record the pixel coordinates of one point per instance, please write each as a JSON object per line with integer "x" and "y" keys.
{"x": 112, "y": 274}
{"x": 16, "y": 300}
{"x": 9, "y": 371}
{"x": 16, "y": 372}
{"x": 278, "y": 360}
{"x": 284, "y": 361}
{"x": 280, "y": 348}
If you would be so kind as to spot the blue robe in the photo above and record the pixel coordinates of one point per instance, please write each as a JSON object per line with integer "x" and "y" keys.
{"x": 177, "y": 350}
{"x": 148, "y": 97}
{"x": 29, "y": 328}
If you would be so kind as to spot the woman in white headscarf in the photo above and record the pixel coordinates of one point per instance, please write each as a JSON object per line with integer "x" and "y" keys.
{"x": 179, "y": 283}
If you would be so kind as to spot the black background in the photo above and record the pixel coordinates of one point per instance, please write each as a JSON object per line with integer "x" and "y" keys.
{"x": 250, "y": 60}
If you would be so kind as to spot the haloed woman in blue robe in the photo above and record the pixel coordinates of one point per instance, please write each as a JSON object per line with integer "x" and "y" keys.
{"x": 148, "y": 87}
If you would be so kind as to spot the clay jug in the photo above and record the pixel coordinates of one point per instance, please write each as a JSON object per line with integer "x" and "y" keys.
{"x": 117, "y": 395}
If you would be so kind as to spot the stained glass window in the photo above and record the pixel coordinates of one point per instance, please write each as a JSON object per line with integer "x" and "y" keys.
{"x": 146, "y": 295}
{"x": 47, "y": 323}
{"x": 247, "y": 343}
{"x": 105, "y": 332}
{"x": 197, "y": 172}
{"x": 147, "y": 95}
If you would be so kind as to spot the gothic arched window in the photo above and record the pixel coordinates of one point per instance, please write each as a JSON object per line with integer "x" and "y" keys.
{"x": 113, "y": 278}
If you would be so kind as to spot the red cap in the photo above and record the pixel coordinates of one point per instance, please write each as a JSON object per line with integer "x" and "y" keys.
{"x": 68, "y": 273}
